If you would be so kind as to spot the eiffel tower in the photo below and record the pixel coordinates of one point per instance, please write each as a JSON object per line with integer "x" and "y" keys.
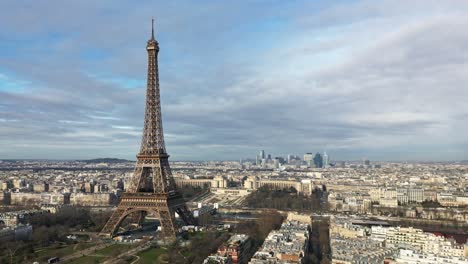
{"x": 152, "y": 188}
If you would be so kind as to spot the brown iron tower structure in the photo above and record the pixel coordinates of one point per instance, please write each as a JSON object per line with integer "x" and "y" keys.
{"x": 152, "y": 188}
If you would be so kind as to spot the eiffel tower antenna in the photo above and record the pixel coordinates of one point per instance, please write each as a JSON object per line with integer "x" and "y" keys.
{"x": 152, "y": 28}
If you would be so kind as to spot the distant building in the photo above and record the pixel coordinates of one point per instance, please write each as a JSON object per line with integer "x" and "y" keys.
{"x": 89, "y": 187}
{"x": 219, "y": 182}
{"x": 452, "y": 200}
{"x": 349, "y": 202}
{"x": 27, "y": 198}
{"x": 400, "y": 196}
{"x": 276, "y": 162}
{"x": 412, "y": 257}
{"x": 14, "y": 219}
{"x": 308, "y": 157}
{"x": 202, "y": 183}
{"x": 318, "y": 160}
{"x": 93, "y": 199}
{"x": 385, "y": 197}
{"x": 18, "y": 183}
{"x": 289, "y": 244}
{"x": 326, "y": 161}
{"x": 351, "y": 243}
{"x": 216, "y": 182}
{"x": 236, "y": 248}
{"x": 302, "y": 186}
{"x": 216, "y": 259}
{"x": 41, "y": 187}
{"x": 21, "y": 232}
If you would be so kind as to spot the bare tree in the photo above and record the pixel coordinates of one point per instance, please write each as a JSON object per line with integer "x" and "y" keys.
{"x": 12, "y": 248}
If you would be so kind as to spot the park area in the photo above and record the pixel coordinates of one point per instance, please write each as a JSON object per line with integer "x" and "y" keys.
{"x": 101, "y": 255}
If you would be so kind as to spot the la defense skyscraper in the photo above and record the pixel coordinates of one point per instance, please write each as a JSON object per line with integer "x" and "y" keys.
{"x": 152, "y": 188}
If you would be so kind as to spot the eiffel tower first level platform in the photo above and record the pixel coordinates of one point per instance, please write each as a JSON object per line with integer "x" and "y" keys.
{"x": 141, "y": 204}
{"x": 151, "y": 189}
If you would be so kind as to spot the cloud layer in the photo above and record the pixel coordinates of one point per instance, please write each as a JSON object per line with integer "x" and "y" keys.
{"x": 384, "y": 80}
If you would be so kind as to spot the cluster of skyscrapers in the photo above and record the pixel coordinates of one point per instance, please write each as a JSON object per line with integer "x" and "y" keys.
{"x": 316, "y": 160}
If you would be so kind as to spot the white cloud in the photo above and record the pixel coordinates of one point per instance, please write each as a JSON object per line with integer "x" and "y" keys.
{"x": 353, "y": 78}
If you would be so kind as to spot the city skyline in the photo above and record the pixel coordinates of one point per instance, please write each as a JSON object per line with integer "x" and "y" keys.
{"x": 355, "y": 79}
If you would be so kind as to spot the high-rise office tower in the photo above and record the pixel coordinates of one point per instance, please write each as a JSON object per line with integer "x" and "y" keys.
{"x": 318, "y": 160}
{"x": 308, "y": 156}
{"x": 326, "y": 161}
{"x": 276, "y": 162}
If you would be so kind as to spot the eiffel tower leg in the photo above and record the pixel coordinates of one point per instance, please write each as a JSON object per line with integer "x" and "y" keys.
{"x": 167, "y": 224}
{"x": 186, "y": 215}
{"x": 113, "y": 222}
{"x": 138, "y": 218}
{"x": 141, "y": 218}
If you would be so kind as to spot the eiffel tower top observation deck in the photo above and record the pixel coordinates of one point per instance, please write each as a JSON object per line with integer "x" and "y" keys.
{"x": 152, "y": 143}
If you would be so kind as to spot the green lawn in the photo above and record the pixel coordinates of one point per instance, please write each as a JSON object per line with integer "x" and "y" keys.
{"x": 61, "y": 250}
{"x": 100, "y": 255}
{"x": 114, "y": 250}
{"x": 151, "y": 255}
{"x": 42, "y": 254}
{"x": 197, "y": 235}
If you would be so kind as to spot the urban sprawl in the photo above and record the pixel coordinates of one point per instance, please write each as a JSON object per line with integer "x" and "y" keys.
{"x": 375, "y": 212}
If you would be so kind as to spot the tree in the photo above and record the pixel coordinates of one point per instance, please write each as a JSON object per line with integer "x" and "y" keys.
{"x": 287, "y": 199}
{"x": 12, "y": 248}
{"x": 98, "y": 220}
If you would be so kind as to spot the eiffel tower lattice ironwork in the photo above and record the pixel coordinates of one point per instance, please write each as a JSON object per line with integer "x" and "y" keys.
{"x": 152, "y": 188}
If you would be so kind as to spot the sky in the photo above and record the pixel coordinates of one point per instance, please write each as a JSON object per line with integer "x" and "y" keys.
{"x": 382, "y": 80}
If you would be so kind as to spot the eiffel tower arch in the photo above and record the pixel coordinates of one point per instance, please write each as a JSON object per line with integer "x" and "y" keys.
{"x": 151, "y": 189}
